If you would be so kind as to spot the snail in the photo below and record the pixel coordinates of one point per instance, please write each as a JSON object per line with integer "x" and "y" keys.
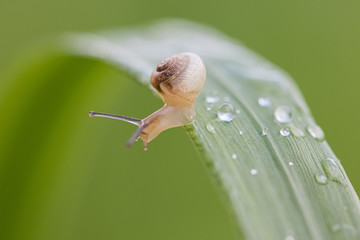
{"x": 179, "y": 80}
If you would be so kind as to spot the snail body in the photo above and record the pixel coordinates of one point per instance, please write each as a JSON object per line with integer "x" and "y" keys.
{"x": 179, "y": 80}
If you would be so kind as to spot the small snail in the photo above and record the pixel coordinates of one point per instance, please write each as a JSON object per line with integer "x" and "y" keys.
{"x": 179, "y": 80}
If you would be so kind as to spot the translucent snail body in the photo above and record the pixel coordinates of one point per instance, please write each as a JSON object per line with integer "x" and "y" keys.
{"x": 179, "y": 80}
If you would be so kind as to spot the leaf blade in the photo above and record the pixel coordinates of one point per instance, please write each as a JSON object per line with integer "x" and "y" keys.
{"x": 279, "y": 200}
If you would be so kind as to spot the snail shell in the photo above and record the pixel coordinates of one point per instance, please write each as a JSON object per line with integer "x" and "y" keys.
{"x": 179, "y": 79}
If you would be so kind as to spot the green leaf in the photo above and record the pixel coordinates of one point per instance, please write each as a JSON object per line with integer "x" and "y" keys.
{"x": 277, "y": 187}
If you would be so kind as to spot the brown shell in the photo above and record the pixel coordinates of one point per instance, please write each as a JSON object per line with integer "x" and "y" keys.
{"x": 180, "y": 78}
{"x": 168, "y": 70}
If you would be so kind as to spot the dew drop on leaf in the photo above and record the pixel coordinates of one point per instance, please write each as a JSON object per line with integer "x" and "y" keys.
{"x": 321, "y": 179}
{"x": 210, "y": 128}
{"x": 264, "y": 102}
{"x": 212, "y": 97}
{"x": 297, "y": 132}
{"x": 332, "y": 170}
{"x": 316, "y": 132}
{"x": 226, "y": 112}
{"x": 282, "y": 114}
{"x": 265, "y": 131}
{"x": 285, "y": 132}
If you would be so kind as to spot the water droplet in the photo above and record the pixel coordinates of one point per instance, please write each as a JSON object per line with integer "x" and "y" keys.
{"x": 212, "y": 97}
{"x": 285, "y": 132}
{"x": 316, "y": 132}
{"x": 208, "y": 108}
{"x": 226, "y": 112}
{"x": 296, "y": 131}
{"x": 253, "y": 171}
{"x": 264, "y": 102}
{"x": 291, "y": 163}
{"x": 234, "y": 156}
{"x": 332, "y": 170}
{"x": 265, "y": 131}
{"x": 289, "y": 237}
{"x": 210, "y": 128}
{"x": 238, "y": 111}
{"x": 241, "y": 132}
{"x": 321, "y": 179}
{"x": 282, "y": 114}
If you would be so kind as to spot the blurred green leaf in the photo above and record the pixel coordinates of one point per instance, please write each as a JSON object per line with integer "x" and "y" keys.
{"x": 277, "y": 187}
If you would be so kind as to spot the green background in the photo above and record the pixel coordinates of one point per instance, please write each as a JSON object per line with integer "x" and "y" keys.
{"x": 69, "y": 189}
